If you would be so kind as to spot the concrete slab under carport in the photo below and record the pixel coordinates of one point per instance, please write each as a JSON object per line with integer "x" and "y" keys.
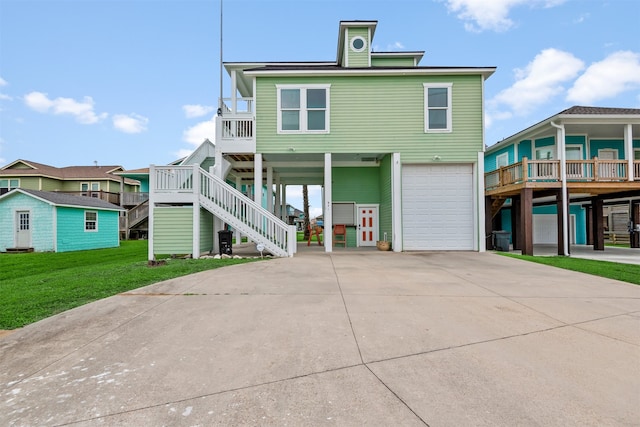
{"x": 347, "y": 338}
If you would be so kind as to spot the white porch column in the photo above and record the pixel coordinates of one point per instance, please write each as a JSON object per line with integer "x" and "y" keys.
{"x": 328, "y": 220}
{"x": 479, "y": 202}
{"x": 257, "y": 178}
{"x": 396, "y": 203}
{"x": 239, "y": 188}
{"x": 195, "y": 254}
{"x": 562, "y": 154}
{"x": 234, "y": 92}
{"x": 283, "y": 208}
{"x": 628, "y": 149}
{"x": 217, "y": 165}
{"x": 278, "y": 211}
{"x": 150, "y": 223}
{"x": 270, "y": 189}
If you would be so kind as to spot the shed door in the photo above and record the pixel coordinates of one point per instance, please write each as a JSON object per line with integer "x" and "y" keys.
{"x": 23, "y": 229}
{"x": 437, "y": 207}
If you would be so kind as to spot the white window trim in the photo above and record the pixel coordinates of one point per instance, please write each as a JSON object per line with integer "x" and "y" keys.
{"x": 87, "y": 230}
{"x": 449, "y": 87}
{"x": 502, "y": 156}
{"x": 303, "y": 108}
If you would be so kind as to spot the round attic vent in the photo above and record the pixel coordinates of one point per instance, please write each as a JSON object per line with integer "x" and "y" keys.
{"x": 358, "y": 44}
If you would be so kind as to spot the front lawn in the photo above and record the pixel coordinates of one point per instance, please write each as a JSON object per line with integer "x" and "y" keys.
{"x": 34, "y": 286}
{"x": 611, "y": 270}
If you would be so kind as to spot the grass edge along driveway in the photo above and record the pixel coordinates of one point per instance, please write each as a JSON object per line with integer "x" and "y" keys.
{"x": 35, "y": 286}
{"x": 611, "y": 270}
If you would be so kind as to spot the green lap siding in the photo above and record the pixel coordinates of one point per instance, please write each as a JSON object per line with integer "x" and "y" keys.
{"x": 206, "y": 231}
{"x": 357, "y": 59}
{"x": 173, "y": 230}
{"x": 386, "y": 198}
{"x": 72, "y": 236}
{"x": 373, "y": 114}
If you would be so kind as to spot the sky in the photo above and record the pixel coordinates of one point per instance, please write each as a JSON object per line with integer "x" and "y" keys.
{"x": 136, "y": 82}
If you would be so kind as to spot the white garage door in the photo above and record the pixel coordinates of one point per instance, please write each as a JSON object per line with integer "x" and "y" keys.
{"x": 437, "y": 207}
{"x": 545, "y": 229}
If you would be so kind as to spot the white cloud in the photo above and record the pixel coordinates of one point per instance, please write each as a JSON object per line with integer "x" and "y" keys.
{"x": 182, "y": 153}
{"x": 536, "y": 84}
{"x": 617, "y": 73}
{"x": 481, "y": 15}
{"x": 82, "y": 111}
{"x": 5, "y": 97}
{"x": 196, "y": 134}
{"x": 132, "y": 123}
{"x": 192, "y": 111}
{"x": 3, "y": 82}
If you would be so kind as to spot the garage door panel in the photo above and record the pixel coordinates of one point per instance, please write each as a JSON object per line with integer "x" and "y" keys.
{"x": 437, "y": 205}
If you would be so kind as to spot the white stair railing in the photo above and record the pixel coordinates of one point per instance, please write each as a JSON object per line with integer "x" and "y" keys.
{"x": 246, "y": 216}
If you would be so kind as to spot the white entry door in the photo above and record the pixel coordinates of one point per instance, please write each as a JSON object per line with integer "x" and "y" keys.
{"x": 367, "y": 225}
{"x": 23, "y": 229}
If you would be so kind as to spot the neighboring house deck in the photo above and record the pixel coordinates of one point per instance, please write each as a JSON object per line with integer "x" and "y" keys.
{"x": 551, "y": 182}
{"x": 396, "y": 147}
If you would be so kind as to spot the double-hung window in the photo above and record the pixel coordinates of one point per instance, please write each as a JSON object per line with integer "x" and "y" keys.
{"x": 303, "y": 109}
{"x": 7, "y": 185}
{"x": 437, "y": 107}
{"x": 90, "y": 221}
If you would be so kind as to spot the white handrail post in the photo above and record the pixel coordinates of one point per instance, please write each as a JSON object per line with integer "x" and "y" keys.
{"x": 150, "y": 223}
{"x": 292, "y": 240}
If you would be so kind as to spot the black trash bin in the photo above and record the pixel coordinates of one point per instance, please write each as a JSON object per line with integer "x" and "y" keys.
{"x": 501, "y": 240}
{"x": 224, "y": 242}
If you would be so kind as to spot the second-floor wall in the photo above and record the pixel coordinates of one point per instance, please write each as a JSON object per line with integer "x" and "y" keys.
{"x": 372, "y": 114}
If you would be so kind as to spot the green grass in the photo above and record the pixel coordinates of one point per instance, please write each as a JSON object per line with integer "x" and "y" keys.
{"x": 300, "y": 237}
{"x": 34, "y": 286}
{"x": 611, "y": 270}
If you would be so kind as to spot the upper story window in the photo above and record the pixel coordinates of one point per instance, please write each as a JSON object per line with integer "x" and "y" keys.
{"x": 90, "y": 221}
{"x": 502, "y": 160}
{"x": 545, "y": 153}
{"x": 90, "y": 189}
{"x": 437, "y": 107}
{"x": 7, "y": 185}
{"x": 303, "y": 109}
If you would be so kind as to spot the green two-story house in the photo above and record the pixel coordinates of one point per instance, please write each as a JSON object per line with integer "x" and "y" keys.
{"x": 397, "y": 147}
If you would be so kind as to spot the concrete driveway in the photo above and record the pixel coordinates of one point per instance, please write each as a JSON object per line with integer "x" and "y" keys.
{"x": 377, "y": 338}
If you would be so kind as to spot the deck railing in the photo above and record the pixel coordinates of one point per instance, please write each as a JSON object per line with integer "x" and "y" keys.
{"x": 592, "y": 170}
{"x": 102, "y": 195}
{"x": 171, "y": 179}
{"x": 133, "y": 199}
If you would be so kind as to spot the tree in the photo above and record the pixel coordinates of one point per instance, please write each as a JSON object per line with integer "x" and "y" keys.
{"x": 305, "y": 201}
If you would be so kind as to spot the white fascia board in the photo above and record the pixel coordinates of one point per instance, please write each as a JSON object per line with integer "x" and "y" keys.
{"x": 599, "y": 118}
{"x": 485, "y": 72}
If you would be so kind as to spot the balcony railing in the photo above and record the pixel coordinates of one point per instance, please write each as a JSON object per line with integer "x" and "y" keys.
{"x": 593, "y": 170}
{"x": 133, "y": 199}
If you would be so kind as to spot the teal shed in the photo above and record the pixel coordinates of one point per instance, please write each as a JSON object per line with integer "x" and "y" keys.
{"x": 45, "y": 221}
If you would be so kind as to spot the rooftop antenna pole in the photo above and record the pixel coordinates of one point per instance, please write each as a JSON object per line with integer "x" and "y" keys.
{"x": 220, "y": 94}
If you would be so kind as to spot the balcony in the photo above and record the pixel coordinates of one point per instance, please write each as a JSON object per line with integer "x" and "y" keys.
{"x": 586, "y": 175}
{"x": 235, "y": 129}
